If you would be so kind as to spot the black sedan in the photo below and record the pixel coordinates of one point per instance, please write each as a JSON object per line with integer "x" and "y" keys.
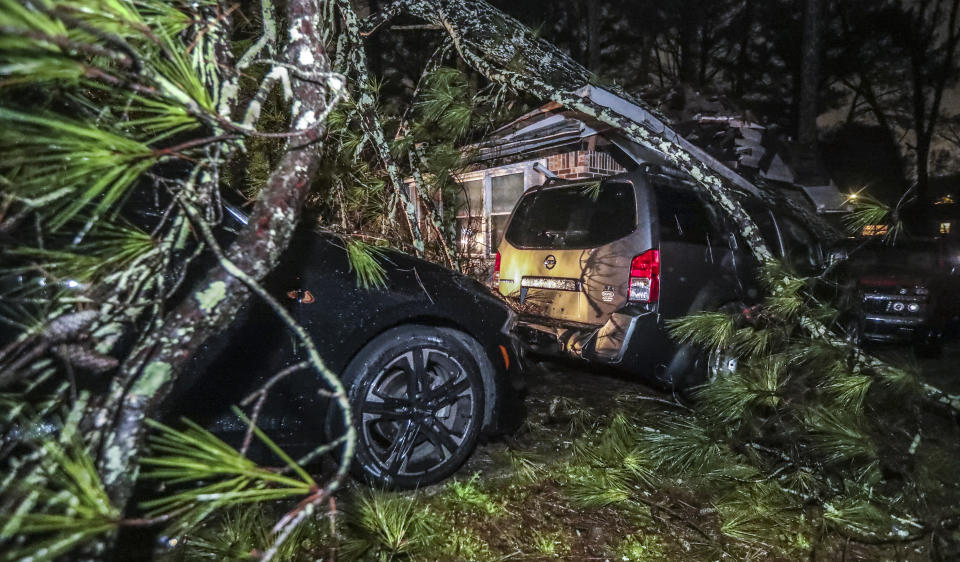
{"x": 428, "y": 361}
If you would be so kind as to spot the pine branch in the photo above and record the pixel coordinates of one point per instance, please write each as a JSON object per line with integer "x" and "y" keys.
{"x": 370, "y": 122}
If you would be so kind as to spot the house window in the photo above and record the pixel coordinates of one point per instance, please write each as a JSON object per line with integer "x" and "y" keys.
{"x": 505, "y": 191}
{"x": 486, "y": 200}
{"x": 875, "y": 230}
{"x": 945, "y": 228}
{"x": 470, "y": 218}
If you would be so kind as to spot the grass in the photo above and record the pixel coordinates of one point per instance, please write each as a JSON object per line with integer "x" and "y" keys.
{"x": 384, "y": 525}
{"x": 550, "y": 544}
{"x": 467, "y": 495}
{"x": 242, "y": 533}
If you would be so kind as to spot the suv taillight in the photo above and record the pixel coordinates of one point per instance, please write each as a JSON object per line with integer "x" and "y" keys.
{"x": 496, "y": 272}
{"x": 644, "y": 277}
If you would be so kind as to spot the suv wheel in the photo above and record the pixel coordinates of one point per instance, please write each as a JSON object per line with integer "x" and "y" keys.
{"x": 418, "y": 403}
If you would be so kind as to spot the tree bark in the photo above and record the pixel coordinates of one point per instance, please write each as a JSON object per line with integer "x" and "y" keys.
{"x": 687, "y": 36}
{"x": 593, "y": 35}
{"x": 148, "y": 374}
{"x": 743, "y": 55}
{"x": 926, "y": 118}
{"x": 810, "y": 78}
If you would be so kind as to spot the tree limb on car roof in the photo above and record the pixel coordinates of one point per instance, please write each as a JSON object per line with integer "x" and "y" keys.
{"x": 530, "y": 64}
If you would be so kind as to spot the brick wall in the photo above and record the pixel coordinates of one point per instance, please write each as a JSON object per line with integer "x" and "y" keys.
{"x": 582, "y": 164}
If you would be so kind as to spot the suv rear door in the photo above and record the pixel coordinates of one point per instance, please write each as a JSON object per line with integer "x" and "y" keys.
{"x": 567, "y": 249}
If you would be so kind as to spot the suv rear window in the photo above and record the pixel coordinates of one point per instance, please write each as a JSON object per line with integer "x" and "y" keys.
{"x": 573, "y": 217}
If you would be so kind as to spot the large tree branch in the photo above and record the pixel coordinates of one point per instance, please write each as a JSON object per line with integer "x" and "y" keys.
{"x": 370, "y": 122}
{"x": 150, "y": 371}
{"x": 370, "y": 24}
{"x": 506, "y": 52}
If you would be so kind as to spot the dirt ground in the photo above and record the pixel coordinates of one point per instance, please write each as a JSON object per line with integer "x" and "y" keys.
{"x": 515, "y": 498}
{"x": 558, "y": 392}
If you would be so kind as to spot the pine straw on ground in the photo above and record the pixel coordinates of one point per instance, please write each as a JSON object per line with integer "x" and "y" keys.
{"x": 533, "y": 496}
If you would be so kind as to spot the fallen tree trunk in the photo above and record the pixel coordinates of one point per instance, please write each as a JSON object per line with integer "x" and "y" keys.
{"x": 151, "y": 370}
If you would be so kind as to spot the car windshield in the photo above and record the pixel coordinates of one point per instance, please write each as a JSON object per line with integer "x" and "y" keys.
{"x": 573, "y": 217}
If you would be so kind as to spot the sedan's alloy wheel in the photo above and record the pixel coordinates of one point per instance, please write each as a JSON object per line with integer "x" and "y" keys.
{"x": 417, "y": 412}
{"x": 418, "y": 406}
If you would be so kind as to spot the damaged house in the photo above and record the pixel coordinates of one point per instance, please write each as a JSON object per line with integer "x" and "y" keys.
{"x": 553, "y": 141}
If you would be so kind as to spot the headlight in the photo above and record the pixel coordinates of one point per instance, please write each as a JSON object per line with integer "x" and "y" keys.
{"x": 913, "y": 307}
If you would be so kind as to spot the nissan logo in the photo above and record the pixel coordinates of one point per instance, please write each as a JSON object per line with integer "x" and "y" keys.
{"x": 550, "y": 262}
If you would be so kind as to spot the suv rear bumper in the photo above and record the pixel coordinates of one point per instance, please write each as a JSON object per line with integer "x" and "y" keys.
{"x": 634, "y": 342}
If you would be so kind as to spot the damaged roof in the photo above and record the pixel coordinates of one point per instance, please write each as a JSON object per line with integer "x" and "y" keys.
{"x": 731, "y": 142}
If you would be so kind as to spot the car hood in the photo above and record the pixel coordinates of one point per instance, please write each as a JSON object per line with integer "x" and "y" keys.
{"x": 437, "y": 278}
{"x": 412, "y": 275}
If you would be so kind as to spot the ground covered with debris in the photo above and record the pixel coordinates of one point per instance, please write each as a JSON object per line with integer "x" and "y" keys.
{"x": 567, "y": 485}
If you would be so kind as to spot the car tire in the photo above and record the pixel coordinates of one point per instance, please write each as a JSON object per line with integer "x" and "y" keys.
{"x": 692, "y": 367}
{"x": 721, "y": 363}
{"x": 417, "y": 397}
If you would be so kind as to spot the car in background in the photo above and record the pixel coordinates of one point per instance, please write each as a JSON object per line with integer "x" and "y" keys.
{"x": 596, "y": 270}
{"x": 900, "y": 291}
{"x": 428, "y": 361}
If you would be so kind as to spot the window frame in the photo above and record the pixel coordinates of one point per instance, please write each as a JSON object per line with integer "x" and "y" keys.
{"x": 531, "y": 177}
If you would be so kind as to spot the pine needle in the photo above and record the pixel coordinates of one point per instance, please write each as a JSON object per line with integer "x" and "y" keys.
{"x": 838, "y": 436}
{"x": 364, "y": 261}
{"x": 710, "y": 330}
{"x": 194, "y": 455}
{"x": 68, "y": 508}
{"x": 69, "y": 166}
{"x": 869, "y": 213}
{"x": 848, "y": 390}
{"x": 682, "y": 447}
{"x": 592, "y": 487}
